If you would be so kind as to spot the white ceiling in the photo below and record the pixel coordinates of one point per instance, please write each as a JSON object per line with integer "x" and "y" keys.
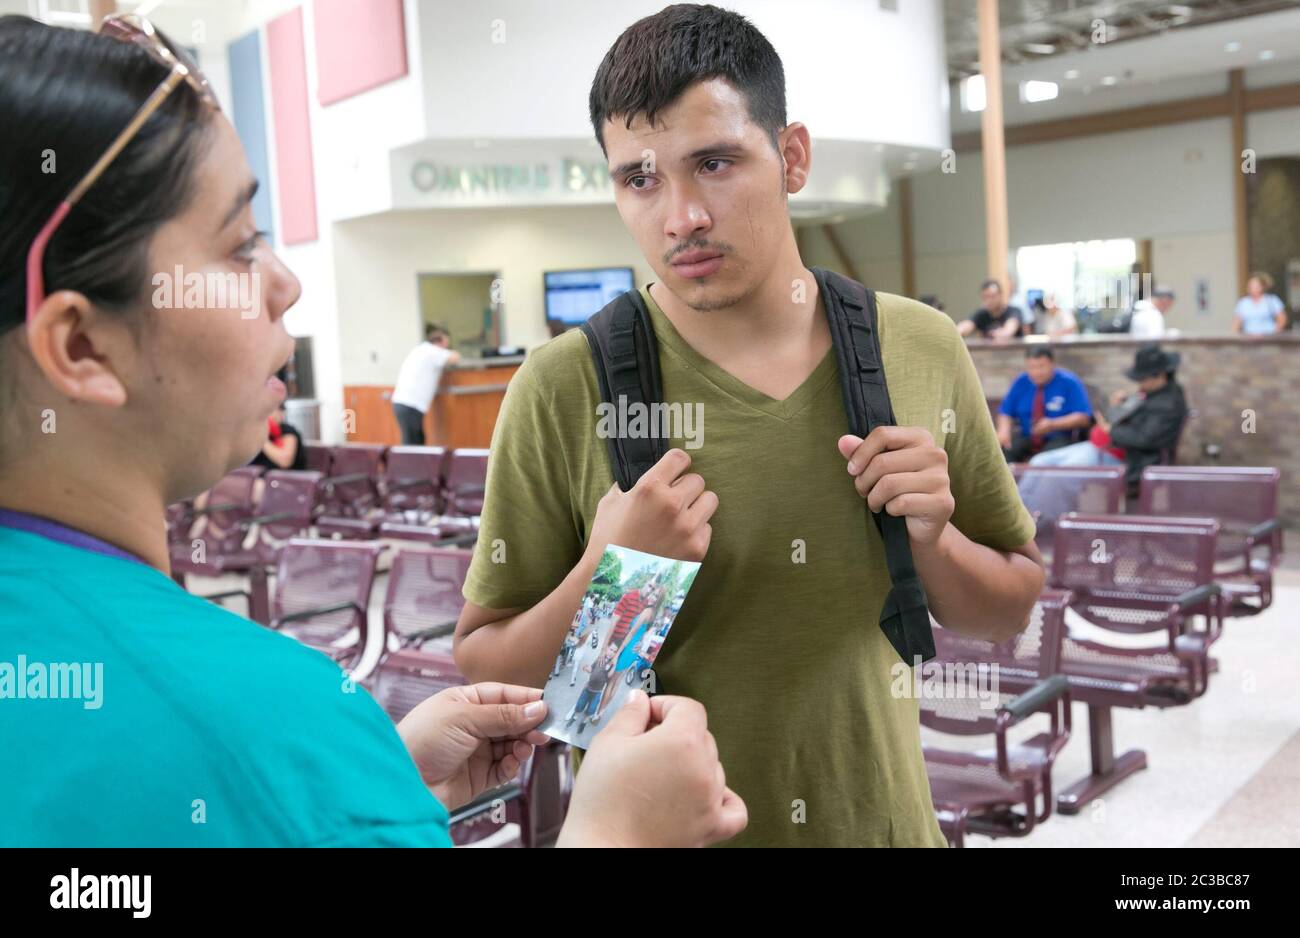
{"x": 1170, "y": 63}
{"x": 1186, "y": 62}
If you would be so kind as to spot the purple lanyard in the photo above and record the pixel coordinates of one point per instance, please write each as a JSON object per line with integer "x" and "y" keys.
{"x": 52, "y": 530}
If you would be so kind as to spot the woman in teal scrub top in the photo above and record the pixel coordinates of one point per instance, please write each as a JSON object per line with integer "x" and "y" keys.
{"x": 132, "y": 713}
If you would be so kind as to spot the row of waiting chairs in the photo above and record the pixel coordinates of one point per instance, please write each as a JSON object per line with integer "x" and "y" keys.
{"x": 1200, "y": 550}
{"x": 423, "y": 494}
{"x": 322, "y": 598}
{"x": 402, "y": 487}
{"x": 423, "y": 501}
{"x": 1162, "y": 570}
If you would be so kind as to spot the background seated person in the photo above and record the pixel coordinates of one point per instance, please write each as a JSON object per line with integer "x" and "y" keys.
{"x": 995, "y": 319}
{"x": 1051, "y": 320}
{"x": 1259, "y": 312}
{"x": 282, "y": 448}
{"x": 1047, "y": 402}
{"x": 1139, "y": 427}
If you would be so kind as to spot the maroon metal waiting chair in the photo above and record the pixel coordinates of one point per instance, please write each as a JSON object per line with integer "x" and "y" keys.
{"x": 464, "y": 481}
{"x": 444, "y": 532}
{"x": 352, "y": 508}
{"x": 1005, "y": 791}
{"x": 319, "y": 458}
{"x": 285, "y": 510}
{"x": 1134, "y": 574}
{"x": 424, "y": 597}
{"x": 214, "y": 543}
{"x": 413, "y": 483}
{"x": 1244, "y": 501}
{"x": 322, "y": 595}
{"x": 421, "y": 605}
{"x": 180, "y": 520}
{"x": 413, "y": 499}
{"x": 535, "y": 803}
{"x": 410, "y": 675}
{"x": 1051, "y": 491}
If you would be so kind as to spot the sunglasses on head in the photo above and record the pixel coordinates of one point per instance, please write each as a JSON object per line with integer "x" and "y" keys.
{"x": 126, "y": 27}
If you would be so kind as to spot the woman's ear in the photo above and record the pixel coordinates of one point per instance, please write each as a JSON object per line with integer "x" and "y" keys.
{"x": 76, "y": 346}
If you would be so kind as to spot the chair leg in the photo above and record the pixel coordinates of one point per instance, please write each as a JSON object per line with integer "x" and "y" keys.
{"x": 1107, "y": 769}
{"x": 259, "y": 597}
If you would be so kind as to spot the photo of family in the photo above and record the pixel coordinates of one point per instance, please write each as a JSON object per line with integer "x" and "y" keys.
{"x": 617, "y": 632}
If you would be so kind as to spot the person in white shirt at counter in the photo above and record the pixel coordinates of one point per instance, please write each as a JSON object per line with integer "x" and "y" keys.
{"x": 417, "y": 382}
{"x": 1259, "y": 312}
{"x": 1149, "y": 315}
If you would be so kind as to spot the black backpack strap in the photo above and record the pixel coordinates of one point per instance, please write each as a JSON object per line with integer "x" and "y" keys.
{"x": 851, "y": 313}
{"x": 623, "y": 348}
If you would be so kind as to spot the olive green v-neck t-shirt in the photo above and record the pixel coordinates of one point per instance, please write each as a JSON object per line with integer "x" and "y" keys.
{"x": 779, "y": 637}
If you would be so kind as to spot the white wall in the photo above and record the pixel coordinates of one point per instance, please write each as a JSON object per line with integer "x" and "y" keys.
{"x": 377, "y": 261}
{"x": 535, "y": 83}
{"x": 351, "y": 142}
{"x": 1274, "y": 133}
{"x": 1171, "y": 184}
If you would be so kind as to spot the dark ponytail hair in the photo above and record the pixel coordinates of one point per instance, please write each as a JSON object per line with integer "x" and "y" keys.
{"x": 65, "y": 95}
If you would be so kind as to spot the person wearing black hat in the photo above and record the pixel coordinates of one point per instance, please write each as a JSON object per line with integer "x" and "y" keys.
{"x": 1139, "y": 427}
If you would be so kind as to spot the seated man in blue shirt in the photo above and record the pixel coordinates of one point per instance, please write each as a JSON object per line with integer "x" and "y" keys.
{"x": 1049, "y": 403}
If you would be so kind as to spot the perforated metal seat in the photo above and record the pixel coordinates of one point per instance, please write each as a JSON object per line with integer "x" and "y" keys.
{"x": 465, "y": 481}
{"x": 1243, "y": 499}
{"x": 1133, "y": 575}
{"x": 352, "y": 509}
{"x": 322, "y": 596}
{"x": 1004, "y": 791}
{"x": 1052, "y": 491}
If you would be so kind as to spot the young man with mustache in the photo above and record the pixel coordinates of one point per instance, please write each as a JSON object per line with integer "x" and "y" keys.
{"x": 779, "y": 637}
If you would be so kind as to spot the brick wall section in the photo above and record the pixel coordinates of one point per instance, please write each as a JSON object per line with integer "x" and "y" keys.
{"x": 1222, "y": 378}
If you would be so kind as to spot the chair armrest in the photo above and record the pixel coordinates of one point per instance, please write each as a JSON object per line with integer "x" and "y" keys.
{"x": 1194, "y": 597}
{"x": 1264, "y": 527}
{"x": 395, "y": 484}
{"x": 457, "y": 541}
{"x": 1194, "y": 648}
{"x": 214, "y": 597}
{"x": 211, "y": 509}
{"x": 312, "y": 613}
{"x": 351, "y": 477}
{"x": 510, "y": 791}
{"x": 1032, "y": 700}
{"x": 267, "y": 519}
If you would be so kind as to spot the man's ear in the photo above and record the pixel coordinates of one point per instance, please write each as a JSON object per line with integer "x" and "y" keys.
{"x": 796, "y": 150}
{"x": 73, "y": 343}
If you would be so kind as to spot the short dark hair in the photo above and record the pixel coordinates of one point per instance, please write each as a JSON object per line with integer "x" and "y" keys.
{"x": 1040, "y": 351}
{"x": 434, "y": 331}
{"x": 658, "y": 58}
{"x": 991, "y": 282}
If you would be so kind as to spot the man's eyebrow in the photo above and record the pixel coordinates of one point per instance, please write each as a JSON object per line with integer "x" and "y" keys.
{"x": 722, "y": 148}
{"x": 241, "y": 200}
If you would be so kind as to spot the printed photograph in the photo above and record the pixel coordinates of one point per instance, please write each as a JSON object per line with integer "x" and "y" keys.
{"x": 613, "y": 640}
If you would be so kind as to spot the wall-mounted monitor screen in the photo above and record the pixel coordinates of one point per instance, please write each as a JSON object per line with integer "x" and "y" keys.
{"x": 572, "y": 296}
